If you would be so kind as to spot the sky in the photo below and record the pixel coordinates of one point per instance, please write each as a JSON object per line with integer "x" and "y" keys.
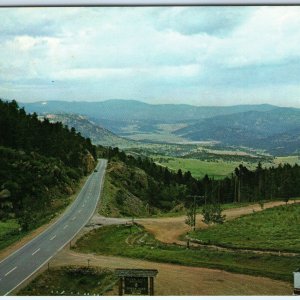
{"x": 193, "y": 55}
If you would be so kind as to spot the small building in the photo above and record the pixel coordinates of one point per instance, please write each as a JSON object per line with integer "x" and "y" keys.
{"x": 297, "y": 282}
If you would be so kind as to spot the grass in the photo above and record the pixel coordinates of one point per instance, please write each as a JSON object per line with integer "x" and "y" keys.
{"x": 292, "y": 160}
{"x": 271, "y": 229}
{"x": 107, "y": 206}
{"x": 135, "y": 242}
{"x": 9, "y": 232}
{"x": 218, "y": 169}
{"x": 69, "y": 281}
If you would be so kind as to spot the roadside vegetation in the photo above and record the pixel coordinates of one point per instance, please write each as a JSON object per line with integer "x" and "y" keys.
{"x": 274, "y": 228}
{"x": 135, "y": 242}
{"x": 71, "y": 281}
{"x": 41, "y": 166}
{"x": 137, "y": 186}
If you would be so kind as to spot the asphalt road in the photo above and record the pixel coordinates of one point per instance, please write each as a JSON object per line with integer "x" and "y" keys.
{"x": 21, "y": 264}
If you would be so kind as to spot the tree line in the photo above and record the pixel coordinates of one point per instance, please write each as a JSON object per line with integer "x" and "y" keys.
{"x": 26, "y": 132}
{"x": 41, "y": 164}
{"x": 243, "y": 185}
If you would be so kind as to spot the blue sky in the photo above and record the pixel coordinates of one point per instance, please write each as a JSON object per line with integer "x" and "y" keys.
{"x": 193, "y": 55}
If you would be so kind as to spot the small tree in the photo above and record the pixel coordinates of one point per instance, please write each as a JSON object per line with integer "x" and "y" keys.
{"x": 212, "y": 213}
{"x": 261, "y": 204}
{"x": 190, "y": 217}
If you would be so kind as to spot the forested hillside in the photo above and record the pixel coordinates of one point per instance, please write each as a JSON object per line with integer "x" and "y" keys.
{"x": 97, "y": 134}
{"x": 155, "y": 188}
{"x": 40, "y": 165}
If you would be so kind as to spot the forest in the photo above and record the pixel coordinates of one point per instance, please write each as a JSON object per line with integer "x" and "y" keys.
{"x": 166, "y": 188}
{"x": 40, "y": 164}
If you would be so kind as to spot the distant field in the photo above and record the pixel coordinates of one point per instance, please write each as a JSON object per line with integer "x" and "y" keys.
{"x": 135, "y": 242}
{"x": 271, "y": 229}
{"x": 287, "y": 160}
{"x": 217, "y": 169}
{"x": 160, "y": 137}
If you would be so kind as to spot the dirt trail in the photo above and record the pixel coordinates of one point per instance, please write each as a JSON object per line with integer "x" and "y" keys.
{"x": 182, "y": 280}
{"x": 168, "y": 230}
{"x": 172, "y": 279}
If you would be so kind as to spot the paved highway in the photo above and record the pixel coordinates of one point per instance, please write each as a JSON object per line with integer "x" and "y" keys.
{"x": 21, "y": 264}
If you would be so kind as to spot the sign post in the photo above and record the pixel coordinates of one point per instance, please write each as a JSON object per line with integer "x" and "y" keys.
{"x": 136, "y": 281}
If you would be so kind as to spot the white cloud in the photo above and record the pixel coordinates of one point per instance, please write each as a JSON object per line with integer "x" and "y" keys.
{"x": 165, "y": 54}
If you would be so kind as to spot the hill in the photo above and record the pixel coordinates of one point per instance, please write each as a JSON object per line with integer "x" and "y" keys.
{"x": 89, "y": 129}
{"x": 41, "y": 165}
{"x": 276, "y": 131}
{"x": 126, "y": 110}
{"x": 130, "y": 118}
{"x": 267, "y": 127}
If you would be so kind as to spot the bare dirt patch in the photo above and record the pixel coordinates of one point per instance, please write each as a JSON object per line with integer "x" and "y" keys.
{"x": 182, "y": 280}
{"x": 168, "y": 230}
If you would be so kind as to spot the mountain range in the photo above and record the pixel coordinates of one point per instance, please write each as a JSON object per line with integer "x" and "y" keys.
{"x": 272, "y": 128}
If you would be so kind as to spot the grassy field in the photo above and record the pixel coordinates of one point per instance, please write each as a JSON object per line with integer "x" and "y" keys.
{"x": 271, "y": 229}
{"x": 217, "y": 169}
{"x": 292, "y": 160}
{"x": 135, "y": 242}
{"x": 68, "y": 281}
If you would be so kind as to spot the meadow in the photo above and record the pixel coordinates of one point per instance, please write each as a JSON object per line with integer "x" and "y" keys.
{"x": 217, "y": 169}
{"x": 271, "y": 229}
{"x": 135, "y": 242}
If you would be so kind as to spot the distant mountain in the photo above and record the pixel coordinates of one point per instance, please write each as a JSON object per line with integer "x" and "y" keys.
{"x": 130, "y": 117}
{"x": 264, "y": 126}
{"x": 276, "y": 130}
{"x": 87, "y": 128}
{"x": 131, "y": 110}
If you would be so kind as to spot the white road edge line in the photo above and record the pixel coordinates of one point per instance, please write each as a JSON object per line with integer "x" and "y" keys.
{"x": 10, "y": 271}
{"x": 36, "y": 251}
{"x": 51, "y": 226}
{"x": 101, "y": 186}
{"x": 29, "y": 275}
{"x": 53, "y": 238}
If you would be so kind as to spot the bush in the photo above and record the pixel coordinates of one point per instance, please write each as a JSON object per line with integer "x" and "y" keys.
{"x": 212, "y": 213}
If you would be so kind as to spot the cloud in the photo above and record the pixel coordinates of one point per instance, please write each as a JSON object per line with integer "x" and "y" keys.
{"x": 159, "y": 54}
{"x": 219, "y": 21}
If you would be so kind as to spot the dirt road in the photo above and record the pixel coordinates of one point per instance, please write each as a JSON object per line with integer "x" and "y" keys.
{"x": 175, "y": 279}
{"x": 168, "y": 230}
{"x": 182, "y": 280}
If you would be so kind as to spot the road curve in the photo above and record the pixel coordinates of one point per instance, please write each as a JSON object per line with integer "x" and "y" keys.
{"x": 24, "y": 262}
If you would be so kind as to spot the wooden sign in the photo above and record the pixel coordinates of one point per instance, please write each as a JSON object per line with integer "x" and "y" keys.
{"x": 136, "y": 281}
